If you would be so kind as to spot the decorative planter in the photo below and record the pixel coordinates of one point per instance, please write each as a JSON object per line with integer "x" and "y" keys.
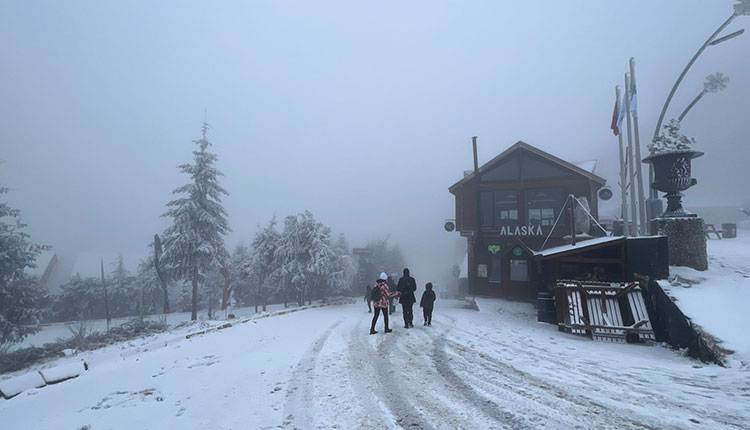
{"x": 672, "y": 175}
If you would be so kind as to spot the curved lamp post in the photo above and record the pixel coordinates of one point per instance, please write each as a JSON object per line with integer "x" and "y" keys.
{"x": 741, "y": 7}
{"x": 714, "y": 83}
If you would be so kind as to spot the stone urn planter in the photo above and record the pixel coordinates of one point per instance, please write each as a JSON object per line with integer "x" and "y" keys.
{"x": 672, "y": 176}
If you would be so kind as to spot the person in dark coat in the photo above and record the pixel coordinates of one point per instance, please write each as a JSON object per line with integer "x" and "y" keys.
{"x": 406, "y": 287}
{"x": 381, "y": 305}
{"x": 368, "y": 292}
{"x": 427, "y": 303}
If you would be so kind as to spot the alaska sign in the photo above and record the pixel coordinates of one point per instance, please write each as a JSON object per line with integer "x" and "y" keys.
{"x": 526, "y": 230}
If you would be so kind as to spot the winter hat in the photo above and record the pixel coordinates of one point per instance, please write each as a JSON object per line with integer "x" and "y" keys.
{"x": 383, "y": 276}
{"x": 428, "y": 285}
{"x": 406, "y": 272}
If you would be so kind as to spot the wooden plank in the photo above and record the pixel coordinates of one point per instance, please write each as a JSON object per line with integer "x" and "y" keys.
{"x": 640, "y": 305}
{"x": 595, "y": 317}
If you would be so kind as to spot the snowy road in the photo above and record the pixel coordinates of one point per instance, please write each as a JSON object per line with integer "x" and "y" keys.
{"x": 319, "y": 368}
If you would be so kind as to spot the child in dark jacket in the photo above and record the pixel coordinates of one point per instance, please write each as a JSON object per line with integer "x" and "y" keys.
{"x": 427, "y": 303}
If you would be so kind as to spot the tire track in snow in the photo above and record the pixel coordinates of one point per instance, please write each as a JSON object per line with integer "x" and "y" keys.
{"x": 486, "y": 405}
{"x": 300, "y": 395}
{"x": 702, "y": 413}
{"x": 507, "y": 380}
{"x": 407, "y": 416}
{"x": 363, "y": 379}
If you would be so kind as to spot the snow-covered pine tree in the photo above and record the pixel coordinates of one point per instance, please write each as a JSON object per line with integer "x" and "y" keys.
{"x": 322, "y": 263}
{"x": 264, "y": 267}
{"x": 243, "y": 290}
{"x": 345, "y": 269}
{"x": 148, "y": 285}
{"x": 194, "y": 243}
{"x": 22, "y": 298}
{"x": 289, "y": 256}
{"x": 305, "y": 258}
{"x": 80, "y": 299}
{"x": 124, "y": 296}
{"x": 161, "y": 272}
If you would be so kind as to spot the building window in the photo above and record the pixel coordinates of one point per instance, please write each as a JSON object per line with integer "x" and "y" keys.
{"x": 499, "y": 208}
{"x": 486, "y": 208}
{"x": 495, "y": 272}
{"x": 544, "y": 217}
{"x": 519, "y": 270}
{"x": 544, "y": 205}
{"x": 506, "y": 208}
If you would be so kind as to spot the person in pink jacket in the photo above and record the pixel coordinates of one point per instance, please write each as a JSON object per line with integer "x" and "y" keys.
{"x": 381, "y": 304}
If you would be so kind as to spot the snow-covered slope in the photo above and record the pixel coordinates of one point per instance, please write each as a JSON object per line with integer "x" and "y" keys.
{"x": 319, "y": 368}
{"x": 718, "y": 299}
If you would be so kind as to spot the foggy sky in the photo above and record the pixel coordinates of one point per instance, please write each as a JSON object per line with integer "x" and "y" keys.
{"x": 361, "y": 112}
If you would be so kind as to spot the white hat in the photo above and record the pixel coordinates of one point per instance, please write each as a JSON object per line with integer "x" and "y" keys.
{"x": 383, "y": 276}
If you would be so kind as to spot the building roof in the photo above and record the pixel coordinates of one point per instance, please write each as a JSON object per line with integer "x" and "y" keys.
{"x": 520, "y": 145}
{"x": 586, "y": 245}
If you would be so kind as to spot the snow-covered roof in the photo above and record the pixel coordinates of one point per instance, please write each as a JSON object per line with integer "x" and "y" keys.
{"x": 579, "y": 245}
{"x": 525, "y": 146}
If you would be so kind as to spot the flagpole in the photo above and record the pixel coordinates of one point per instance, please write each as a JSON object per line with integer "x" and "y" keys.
{"x": 641, "y": 198}
{"x": 623, "y": 170}
{"x": 631, "y": 172}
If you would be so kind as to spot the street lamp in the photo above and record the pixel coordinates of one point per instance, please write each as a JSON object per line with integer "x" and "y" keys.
{"x": 741, "y": 7}
{"x": 714, "y": 83}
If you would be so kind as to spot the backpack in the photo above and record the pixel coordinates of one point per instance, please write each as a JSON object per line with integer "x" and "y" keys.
{"x": 375, "y": 294}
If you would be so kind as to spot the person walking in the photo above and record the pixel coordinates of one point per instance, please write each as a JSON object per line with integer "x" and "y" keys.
{"x": 427, "y": 303}
{"x": 368, "y": 293}
{"x": 406, "y": 287}
{"x": 380, "y": 295}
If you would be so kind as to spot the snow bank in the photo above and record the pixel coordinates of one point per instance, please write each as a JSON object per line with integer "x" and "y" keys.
{"x": 14, "y": 386}
{"x": 717, "y": 299}
{"x": 64, "y": 372}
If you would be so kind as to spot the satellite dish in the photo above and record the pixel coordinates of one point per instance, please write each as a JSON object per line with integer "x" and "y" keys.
{"x": 604, "y": 193}
{"x": 449, "y": 226}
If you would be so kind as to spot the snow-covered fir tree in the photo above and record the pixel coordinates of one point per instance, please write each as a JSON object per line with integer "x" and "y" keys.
{"x": 22, "y": 298}
{"x": 124, "y": 295}
{"x": 304, "y": 257}
{"x": 264, "y": 269}
{"x": 345, "y": 268}
{"x": 148, "y": 286}
{"x": 243, "y": 290}
{"x": 194, "y": 243}
{"x": 80, "y": 299}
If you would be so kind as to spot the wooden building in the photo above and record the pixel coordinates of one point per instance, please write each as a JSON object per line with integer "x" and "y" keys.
{"x": 507, "y": 219}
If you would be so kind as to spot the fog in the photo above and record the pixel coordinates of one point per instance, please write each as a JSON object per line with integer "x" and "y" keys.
{"x": 361, "y": 112}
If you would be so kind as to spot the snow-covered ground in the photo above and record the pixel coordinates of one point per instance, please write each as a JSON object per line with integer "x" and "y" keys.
{"x": 718, "y": 299}
{"x": 55, "y": 331}
{"x": 319, "y": 368}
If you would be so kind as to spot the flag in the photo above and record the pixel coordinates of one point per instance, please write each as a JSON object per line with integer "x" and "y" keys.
{"x": 617, "y": 117}
{"x": 633, "y": 100}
